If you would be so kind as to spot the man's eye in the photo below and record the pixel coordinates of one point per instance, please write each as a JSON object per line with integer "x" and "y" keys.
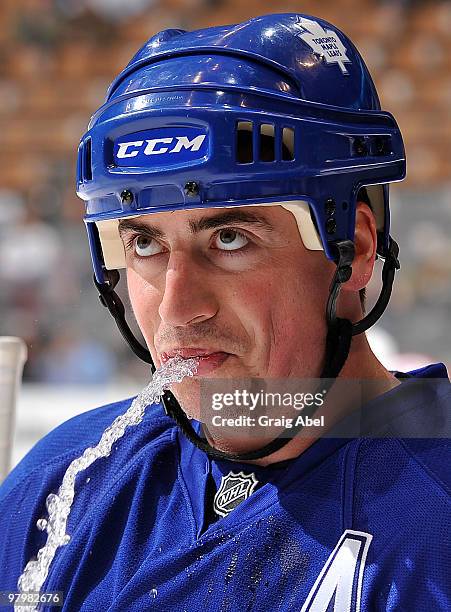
{"x": 145, "y": 247}
{"x": 230, "y": 240}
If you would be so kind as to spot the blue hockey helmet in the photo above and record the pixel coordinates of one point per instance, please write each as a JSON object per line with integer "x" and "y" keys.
{"x": 168, "y": 138}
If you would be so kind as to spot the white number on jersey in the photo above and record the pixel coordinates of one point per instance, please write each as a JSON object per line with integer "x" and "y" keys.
{"x": 341, "y": 576}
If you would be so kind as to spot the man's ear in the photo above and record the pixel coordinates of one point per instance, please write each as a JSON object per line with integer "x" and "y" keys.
{"x": 365, "y": 241}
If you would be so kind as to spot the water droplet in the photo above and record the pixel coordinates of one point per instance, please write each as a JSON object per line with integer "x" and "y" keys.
{"x": 232, "y": 568}
{"x": 41, "y": 524}
{"x": 87, "y": 480}
{"x": 153, "y": 593}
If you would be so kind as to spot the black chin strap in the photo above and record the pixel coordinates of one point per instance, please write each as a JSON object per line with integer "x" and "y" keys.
{"x": 110, "y": 299}
{"x": 343, "y": 273}
{"x": 338, "y": 343}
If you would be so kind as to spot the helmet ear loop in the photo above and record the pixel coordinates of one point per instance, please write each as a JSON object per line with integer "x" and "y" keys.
{"x": 339, "y": 331}
{"x": 343, "y": 273}
{"x": 346, "y": 253}
{"x": 391, "y": 264}
{"x": 110, "y": 299}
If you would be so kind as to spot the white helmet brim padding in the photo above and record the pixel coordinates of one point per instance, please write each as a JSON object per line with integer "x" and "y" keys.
{"x": 114, "y": 253}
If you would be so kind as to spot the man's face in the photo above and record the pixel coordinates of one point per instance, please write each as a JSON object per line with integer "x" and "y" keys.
{"x": 236, "y": 283}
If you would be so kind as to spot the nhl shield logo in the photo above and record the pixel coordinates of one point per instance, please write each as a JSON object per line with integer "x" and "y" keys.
{"x": 234, "y": 489}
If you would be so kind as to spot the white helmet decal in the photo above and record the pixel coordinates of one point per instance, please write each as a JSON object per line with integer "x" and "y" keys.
{"x": 325, "y": 43}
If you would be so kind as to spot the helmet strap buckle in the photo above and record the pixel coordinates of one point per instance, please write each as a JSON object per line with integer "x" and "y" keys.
{"x": 346, "y": 253}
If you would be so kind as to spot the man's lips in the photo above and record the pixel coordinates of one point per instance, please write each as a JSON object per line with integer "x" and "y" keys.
{"x": 209, "y": 359}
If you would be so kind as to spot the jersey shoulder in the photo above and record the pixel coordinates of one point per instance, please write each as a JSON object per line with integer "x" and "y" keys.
{"x": 410, "y": 427}
{"x": 71, "y": 437}
{"x": 428, "y": 425}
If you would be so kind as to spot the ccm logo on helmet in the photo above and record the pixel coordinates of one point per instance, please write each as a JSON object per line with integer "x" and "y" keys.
{"x": 159, "y": 146}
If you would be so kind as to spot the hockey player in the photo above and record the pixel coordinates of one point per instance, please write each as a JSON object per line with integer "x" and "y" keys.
{"x": 240, "y": 175}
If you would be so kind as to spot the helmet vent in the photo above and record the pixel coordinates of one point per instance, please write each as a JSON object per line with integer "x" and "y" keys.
{"x": 267, "y": 143}
{"x": 263, "y": 142}
{"x": 244, "y": 148}
{"x": 84, "y": 161}
{"x": 87, "y": 166}
{"x": 288, "y": 144}
{"x": 374, "y": 146}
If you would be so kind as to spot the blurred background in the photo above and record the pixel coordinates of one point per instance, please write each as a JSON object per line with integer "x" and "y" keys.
{"x": 57, "y": 58}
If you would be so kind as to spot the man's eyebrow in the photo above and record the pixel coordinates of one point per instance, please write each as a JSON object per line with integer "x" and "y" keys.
{"x": 127, "y": 225}
{"x": 230, "y": 218}
{"x": 204, "y": 223}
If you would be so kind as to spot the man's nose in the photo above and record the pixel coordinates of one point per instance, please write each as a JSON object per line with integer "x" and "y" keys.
{"x": 187, "y": 296}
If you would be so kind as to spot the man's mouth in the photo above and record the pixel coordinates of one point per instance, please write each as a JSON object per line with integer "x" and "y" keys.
{"x": 209, "y": 359}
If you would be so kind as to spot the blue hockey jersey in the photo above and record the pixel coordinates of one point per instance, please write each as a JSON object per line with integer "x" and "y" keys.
{"x": 350, "y": 524}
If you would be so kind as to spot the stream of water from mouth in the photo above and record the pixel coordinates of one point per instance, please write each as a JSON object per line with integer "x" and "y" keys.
{"x": 59, "y": 504}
